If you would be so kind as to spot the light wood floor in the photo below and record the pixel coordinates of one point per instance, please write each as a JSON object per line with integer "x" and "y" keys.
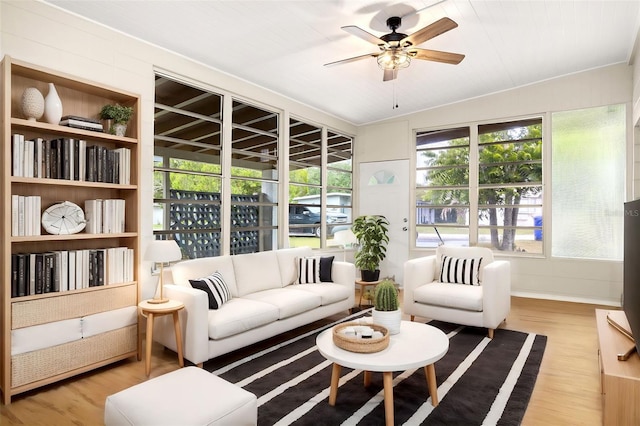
{"x": 567, "y": 390}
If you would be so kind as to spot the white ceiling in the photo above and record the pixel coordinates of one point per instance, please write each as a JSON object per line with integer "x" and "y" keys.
{"x": 282, "y": 45}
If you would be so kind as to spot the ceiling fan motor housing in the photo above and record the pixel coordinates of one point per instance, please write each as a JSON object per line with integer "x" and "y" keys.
{"x": 393, "y": 23}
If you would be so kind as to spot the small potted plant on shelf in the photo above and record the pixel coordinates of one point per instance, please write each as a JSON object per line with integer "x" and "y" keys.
{"x": 386, "y": 307}
{"x": 372, "y": 235}
{"x": 117, "y": 117}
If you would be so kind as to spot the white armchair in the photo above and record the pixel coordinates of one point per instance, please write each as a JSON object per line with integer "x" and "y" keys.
{"x": 486, "y": 304}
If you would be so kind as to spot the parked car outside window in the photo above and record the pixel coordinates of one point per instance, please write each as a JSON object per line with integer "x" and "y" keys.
{"x": 310, "y": 215}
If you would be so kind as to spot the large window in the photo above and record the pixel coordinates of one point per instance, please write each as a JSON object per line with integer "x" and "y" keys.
{"x": 217, "y": 174}
{"x": 190, "y": 205}
{"x": 254, "y": 179}
{"x": 319, "y": 184}
{"x": 494, "y": 176}
{"x": 588, "y": 184}
{"x": 510, "y": 186}
{"x": 442, "y": 187}
{"x": 187, "y": 167}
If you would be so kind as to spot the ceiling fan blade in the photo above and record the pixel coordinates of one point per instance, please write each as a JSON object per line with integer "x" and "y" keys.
{"x": 355, "y": 58}
{"x": 437, "y": 56}
{"x": 390, "y": 75}
{"x": 364, "y": 35}
{"x": 430, "y": 31}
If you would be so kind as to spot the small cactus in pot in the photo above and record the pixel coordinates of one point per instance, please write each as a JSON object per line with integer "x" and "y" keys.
{"x": 386, "y": 310}
{"x": 386, "y": 296}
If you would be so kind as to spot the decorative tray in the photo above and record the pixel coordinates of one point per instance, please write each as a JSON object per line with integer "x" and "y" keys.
{"x": 354, "y": 343}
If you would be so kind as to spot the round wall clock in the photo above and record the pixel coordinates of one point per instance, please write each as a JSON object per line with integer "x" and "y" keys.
{"x": 63, "y": 218}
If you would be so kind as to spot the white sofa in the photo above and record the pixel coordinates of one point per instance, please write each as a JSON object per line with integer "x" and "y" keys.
{"x": 483, "y": 305}
{"x": 264, "y": 302}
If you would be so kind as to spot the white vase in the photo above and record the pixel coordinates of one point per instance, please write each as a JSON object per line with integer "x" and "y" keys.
{"x": 52, "y": 106}
{"x": 389, "y": 319}
{"x": 32, "y": 103}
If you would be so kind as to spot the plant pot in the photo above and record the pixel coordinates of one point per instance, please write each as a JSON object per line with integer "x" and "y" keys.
{"x": 370, "y": 276}
{"x": 119, "y": 129}
{"x": 389, "y": 319}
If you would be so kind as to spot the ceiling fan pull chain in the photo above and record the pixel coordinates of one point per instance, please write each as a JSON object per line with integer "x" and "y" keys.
{"x": 395, "y": 96}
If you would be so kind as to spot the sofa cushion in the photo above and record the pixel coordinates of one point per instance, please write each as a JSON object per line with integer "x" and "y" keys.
{"x": 239, "y": 315}
{"x": 289, "y": 300}
{"x": 215, "y": 287}
{"x": 460, "y": 271}
{"x": 287, "y": 262}
{"x": 329, "y": 292}
{"x": 464, "y": 297}
{"x": 256, "y": 272}
{"x": 195, "y": 268}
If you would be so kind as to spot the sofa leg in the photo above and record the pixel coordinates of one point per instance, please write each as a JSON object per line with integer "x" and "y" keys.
{"x": 490, "y": 333}
{"x": 413, "y": 317}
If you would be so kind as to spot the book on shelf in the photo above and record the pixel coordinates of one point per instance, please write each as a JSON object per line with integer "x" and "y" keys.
{"x": 70, "y": 159}
{"x": 81, "y": 119}
{"x": 105, "y": 216}
{"x": 25, "y": 215}
{"x": 67, "y": 270}
{"x": 81, "y": 123}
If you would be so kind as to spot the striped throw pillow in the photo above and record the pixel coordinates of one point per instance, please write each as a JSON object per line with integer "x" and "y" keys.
{"x": 460, "y": 271}
{"x": 215, "y": 287}
{"x": 308, "y": 270}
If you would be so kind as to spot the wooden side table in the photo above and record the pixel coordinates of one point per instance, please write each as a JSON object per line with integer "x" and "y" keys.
{"x": 152, "y": 310}
{"x": 363, "y": 285}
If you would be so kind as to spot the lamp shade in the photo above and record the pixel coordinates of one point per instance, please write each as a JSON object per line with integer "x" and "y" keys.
{"x": 344, "y": 238}
{"x": 162, "y": 251}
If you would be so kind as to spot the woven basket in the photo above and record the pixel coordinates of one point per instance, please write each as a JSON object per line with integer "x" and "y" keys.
{"x": 354, "y": 344}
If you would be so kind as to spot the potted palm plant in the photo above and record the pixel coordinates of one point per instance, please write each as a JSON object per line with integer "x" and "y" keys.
{"x": 372, "y": 234}
{"x": 117, "y": 117}
{"x": 386, "y": 307}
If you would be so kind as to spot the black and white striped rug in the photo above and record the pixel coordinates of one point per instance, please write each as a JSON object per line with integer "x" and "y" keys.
{"x": 480, "y": 382}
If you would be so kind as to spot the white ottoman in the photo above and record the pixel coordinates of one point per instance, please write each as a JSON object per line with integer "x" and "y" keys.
{"x": 188, "y": 396}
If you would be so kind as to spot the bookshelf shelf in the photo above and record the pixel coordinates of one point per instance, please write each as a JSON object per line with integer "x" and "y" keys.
{"x": 37, "y": 126}
{"x": 47, "y": 279}
{"x": 81, "y": 184}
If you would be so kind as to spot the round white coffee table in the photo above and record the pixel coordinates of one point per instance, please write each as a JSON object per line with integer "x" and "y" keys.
{"x": 417, "y": 345}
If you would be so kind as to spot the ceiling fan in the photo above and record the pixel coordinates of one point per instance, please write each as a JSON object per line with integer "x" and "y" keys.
{"x": 397, "y": 49}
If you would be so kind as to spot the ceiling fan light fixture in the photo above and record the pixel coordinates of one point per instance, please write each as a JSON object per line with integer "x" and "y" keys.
{"x": 394, "y": 58}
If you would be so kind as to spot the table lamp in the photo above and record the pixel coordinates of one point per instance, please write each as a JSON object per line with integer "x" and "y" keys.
{"x": 162, "y": 251}
{"x": 344, "y": 238}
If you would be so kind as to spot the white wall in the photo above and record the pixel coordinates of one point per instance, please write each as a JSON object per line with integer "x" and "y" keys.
{"x": 538, "y": 276}
{"x": 43, "y": 35}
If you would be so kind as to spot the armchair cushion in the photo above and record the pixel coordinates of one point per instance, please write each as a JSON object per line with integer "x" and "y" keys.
{"x": 468, "y": 298}
{"x": 460, "y": 271}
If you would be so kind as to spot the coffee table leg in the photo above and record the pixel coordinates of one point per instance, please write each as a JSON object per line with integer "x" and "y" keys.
{"x": 367, "y": 378}
{"x": 387, "y": 379}
{"x": 430, "y": 372}
{"x": 335, "y": 378}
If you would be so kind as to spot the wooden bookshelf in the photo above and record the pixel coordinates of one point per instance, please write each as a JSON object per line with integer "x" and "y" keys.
{"x": 27, "y": 371}
{"x": 620, "y": 380}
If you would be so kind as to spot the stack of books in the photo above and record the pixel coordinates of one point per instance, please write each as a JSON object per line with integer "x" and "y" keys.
{"x": 81, "y": 123}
